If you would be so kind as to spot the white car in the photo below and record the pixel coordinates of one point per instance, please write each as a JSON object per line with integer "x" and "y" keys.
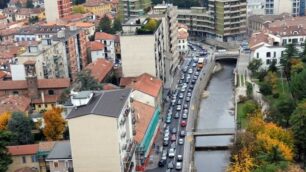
{"x": 178, "y": 166}
{"x": 181, "y": 141}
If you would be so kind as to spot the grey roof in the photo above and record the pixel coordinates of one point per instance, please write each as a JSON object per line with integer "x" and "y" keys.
{"x": 61, "y": 150}
{"x": 105, "y": 103}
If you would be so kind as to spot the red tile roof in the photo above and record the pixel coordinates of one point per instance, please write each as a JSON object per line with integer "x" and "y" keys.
{"x": 2, "y": 74}
{"x": 23, "y": 149}
{"x": 47, "y": 99}
{"x": 181, "y": 25}
{"x": 45, "y": 146}
{"x": 2, "y": 17}
{"x": 104, "y": 36}
{"x": 96, "y": 46}
{"x": 143, "y": 114}
{"x": 42, "y": 84}
{"x": 147, "y": 84}
{"x": 124, "y": 81}
{"x": 110, "y": 86}
{"x": 29, "y": 62}
{"x": 182, "y": 35}
{"x": 258, "y": 38}
{"x": 100, "y": 68}
{"x": 14, "y": 103}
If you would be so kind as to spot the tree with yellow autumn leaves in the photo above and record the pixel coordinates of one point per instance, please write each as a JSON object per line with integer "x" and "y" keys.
{"x": 4, "y": 118}
{"x": 264, "y": 146}
{"x": 54, "y": 124}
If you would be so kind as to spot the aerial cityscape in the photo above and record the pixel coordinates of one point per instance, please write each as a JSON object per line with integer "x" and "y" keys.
{"x": 152, "y": 86}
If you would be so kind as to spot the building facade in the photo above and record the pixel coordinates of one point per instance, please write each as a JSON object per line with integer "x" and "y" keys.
{"x": 222, "y": 20}
{"x": 108, "y": 41}
{"x": 60, "y": 159}
{"x": 99, "y": 8}
{"x": 275, "y": 7}
{"x": 113, "y": 147}
{"x": 57, "y": 9}
{"x": 255, "y": 7}
{"x": 135, "y": 8}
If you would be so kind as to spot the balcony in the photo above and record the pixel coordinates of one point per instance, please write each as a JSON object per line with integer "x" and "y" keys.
{"x": 128, "y": 165}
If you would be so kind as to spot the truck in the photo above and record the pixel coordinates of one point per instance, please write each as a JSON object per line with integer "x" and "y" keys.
{"x": 200, "y": 63}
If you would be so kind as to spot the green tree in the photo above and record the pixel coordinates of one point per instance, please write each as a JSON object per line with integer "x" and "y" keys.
{"x": 77, "y": 2}
{"x": 289, "y": 53}
{"x": 18, "y": 4}
{"x": 303, "y": 54}
{"x": 21, "y": 126}
{"x": 78, "y": 9}
{"x": 272, "y": 66}
{"x": 282, "y": 111}
{"x": 29, "y": 4}
{"x": 265, "y": 89}
{"x": 297, "y": 85}
{"x": 33, "y": 20}
{"x": 105, "y": 25}
{"x": 5, "y": 158}
{"x": 254, "y": 66}
{"x": 85, "y": 81}
{"x": 117, "y": 25}
{"x": 3, "y": 3}
{"x": 298, "y": 126}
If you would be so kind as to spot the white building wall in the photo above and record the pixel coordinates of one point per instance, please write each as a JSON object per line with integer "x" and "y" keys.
{"x": 91, "y": 150}
{"x": 267, "y": 54}
{"x": 18, "y": 72}
{"x": 97, "y": 54}
{"x": 285, "y": 6}
{"x": 137, "y": 59}
{"x": 144, "y": 98}
{"x": 52, "y": 13}
{"x": 183, "y": 45}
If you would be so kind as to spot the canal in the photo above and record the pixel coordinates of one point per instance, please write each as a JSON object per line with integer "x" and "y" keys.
{"x": 216, "y": 111}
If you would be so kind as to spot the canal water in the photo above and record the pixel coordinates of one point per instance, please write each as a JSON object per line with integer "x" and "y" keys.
{"x": 216, "y": 111}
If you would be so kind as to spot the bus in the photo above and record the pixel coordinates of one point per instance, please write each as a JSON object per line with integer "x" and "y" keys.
{"x": 200, "y": 63}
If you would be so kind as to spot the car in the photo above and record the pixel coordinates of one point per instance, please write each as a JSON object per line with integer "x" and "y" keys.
{"x": 198, "y": 69}
{"x": 183, "y": 89}
{"x": 181, "y": 95}
{"x": 166, "y": 135}
{"x": 197, "y": 73}
{"x": 173, "y": 131}
{"x": 191, "y": 86}
{"x": 182, "y": 77}
{"x": 170, "y": 165}
{"x": 181, "y": 141}
{"x": 177, "y": 115}
{"x": 195, "y": 59}
{"x": 164, "y": 155}
{"x": 183, "y": 133}
{"x": 166, "y": 138}
{"x": 168, "y": 120}
{"x": 173, "y": 145}
{"x": 173, "y": 137}
{"x": 185, "y": 85}
{"x": 185, "y": 69}
{"x": 171, "y": 153}
{"x": 184, "y": 116}
{"x": 179, "y": 157}
{"x": 189, "y": 94}
{"x": 186, "y": 105}
{"x": 178, "y": 166}
{"x": 180, "y": 81}
{"x": 162, "y": 163}
{"x": 190, "y": 71}
{"x": 178, "y": 107}
{"x": 179, "y": 102}
{"x": 173, "y": 100}
{"x": 187, "y": 80}
{"x": 195, "y": 77}
{"x": 166, "y": 143}
{"x": 187, "y": 99}
{"x": 193, "y": 82}
{"x": 183, "y": 123}
{"x": 194, "y": 64}
{"x": 185, "y": 111}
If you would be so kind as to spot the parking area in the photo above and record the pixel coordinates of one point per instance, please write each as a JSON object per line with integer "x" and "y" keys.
{"x": 170, "y": 144}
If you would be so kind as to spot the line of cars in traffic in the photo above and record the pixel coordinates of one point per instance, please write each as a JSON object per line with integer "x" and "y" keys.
{"x": 177, "y": 115}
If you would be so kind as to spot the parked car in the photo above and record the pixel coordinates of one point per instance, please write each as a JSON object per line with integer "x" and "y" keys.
{"x": 166, "y": 143}
{"x": 184, "y": 116}
{"x": 179, "y": 157}
{"x": 178, "y": 107}
{"x": 186, "y": 105}
{"x": 173, "y": 137}
{"x": 164, "y": 154}
{"x": 190, "y": 71}
{"x": 170, "y": 165}
{"x": 176, "y": 115}
{"x": 183, "y": 123}
{"x": 183, "y": 133}
{"x": 162, "y": 163}
{"x": 179, "y": 101}
{"x": 173, "y": 131}
{"x": 181, "y": 95}
{"x": 187, "y": 99}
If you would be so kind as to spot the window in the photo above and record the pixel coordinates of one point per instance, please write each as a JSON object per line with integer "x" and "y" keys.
{"x": 39, "y": 106}
{"x": 24, "y": 160}
{"x": 268, "y": 54}
{"x": 274, "y": 54}
{"x": 268, "y": 61}
{"x": 55, "y": 164}
{"x": 51, "y": 92}
{"x": 15, "y": 93}
{"x": 34, "y": 159}
{"x": 257, "y": 55}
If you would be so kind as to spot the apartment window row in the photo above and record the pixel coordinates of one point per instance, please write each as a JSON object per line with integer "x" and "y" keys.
{"x": 24, "y": 159}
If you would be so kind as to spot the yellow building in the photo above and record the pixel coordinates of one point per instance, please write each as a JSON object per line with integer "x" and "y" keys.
{"x": 97, "y": 7}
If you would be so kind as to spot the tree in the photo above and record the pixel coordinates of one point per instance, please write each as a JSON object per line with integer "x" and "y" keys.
{"x": 105, "y": 25}
{"x": 18, "y": 4}
{"x": 33, "y": 19}
{"x": 254, "y": 66}
{"x": 265, "y": 89}
{"x": 85, "y": 81}
{"x": 283, "y": 111}
{"x": 117, "y": 25}
{"x": 77, "y": 2}
{"x": 298, "y": 126}
{"x": 4, "y": 118}
{"x": 242, "y": 162}
{"x": 296, "y": 65}
{"x": 303, "y": 54}
{"x": 150, "y": 25}
{"x": 272, "y": 66}
{"x": 29, "y": 4}
{"x": 271, "y": 79}
{"x": 297, "y": 85}
{"x": 54, "y": 124}
{"x": 78, "y": 9}
{"x": 5, "y": 158}
{"x": 3, "y": 4}
{"x": 21, "y": 126}
{"x": 290, "y": 53}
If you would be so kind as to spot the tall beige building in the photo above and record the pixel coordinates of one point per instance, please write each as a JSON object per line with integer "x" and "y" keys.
{"x": 56, "y": 9}
{"x": 101, "y": 130}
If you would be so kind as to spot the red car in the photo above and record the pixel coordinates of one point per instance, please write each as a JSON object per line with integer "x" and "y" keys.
{"x": 173, "y": 137}
{"x": 183, "y": 123}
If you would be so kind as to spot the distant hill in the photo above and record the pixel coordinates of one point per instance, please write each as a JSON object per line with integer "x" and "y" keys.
{"x": 3, "y": 3}
{"x": 181, "y": 3}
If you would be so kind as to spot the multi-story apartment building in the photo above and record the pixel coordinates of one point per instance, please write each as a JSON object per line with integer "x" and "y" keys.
{"x": 108, "y": 41}
{"x": 282, "y": 6}
{"x": 147, "y": 59}
{"x": 302, "y": 7}
{"x": 222, "y": 20}
{"x": 133, "y": 8}
{"x": 168, "y": 14}
{"x": 111, "y": 149}
{"x": 98, "y": 7}
{"x": 256, "y": 7}
{"x": 50, "y": 60}
{"x": 75, "y": 41}
{"x": 56, "y": 9}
